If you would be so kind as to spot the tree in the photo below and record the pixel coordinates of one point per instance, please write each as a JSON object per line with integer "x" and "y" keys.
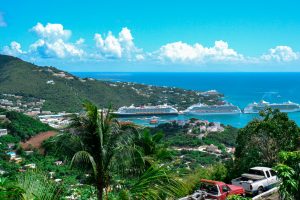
{"x": 106, "y": 145}
{"x": 288, "y": 171}
{"x": 263, "y": 138}
{"x": 151, "y": 147}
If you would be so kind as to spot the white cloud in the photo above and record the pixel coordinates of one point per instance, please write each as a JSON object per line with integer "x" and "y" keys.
{"x": 281, "y": 54}
{"x": 197, "y": 53}
{"x": 54, "y": 49}
{"x": 109, "y": 46}
{"x": 53, "y": 42}
{"x": 118, "y": 47}
{"x": 2, "y": 21}
{"x": 14, "y": 49}
{"x": 51, "y": 31}
{"x": 80, "y": 41}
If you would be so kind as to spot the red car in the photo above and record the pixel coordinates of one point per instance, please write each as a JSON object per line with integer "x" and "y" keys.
{"x": 219, "y": 190}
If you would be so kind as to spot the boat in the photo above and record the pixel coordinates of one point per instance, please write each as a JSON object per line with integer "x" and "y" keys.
{"x": 203, "y": 109}
{"x": 283, "y": 107}
{"x": 146, "y": 110}
{"x": 154, "y": 120}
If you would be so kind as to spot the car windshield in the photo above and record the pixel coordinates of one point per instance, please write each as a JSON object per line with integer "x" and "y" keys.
{"x": 256, "y": 172}
{"x": 209, "y": 188}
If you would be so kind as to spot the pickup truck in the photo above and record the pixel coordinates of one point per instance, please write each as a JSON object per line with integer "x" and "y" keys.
{"x": 219, "y": 190}
{"x": 257, "y": 180}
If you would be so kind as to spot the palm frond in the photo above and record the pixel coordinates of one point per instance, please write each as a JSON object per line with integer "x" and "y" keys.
{"x": 157, "y": 183}
{"x": 83, "y": 157}
{"x": 36, "y": 185}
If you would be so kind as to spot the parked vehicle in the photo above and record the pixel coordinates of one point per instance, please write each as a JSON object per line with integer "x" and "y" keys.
{"x": 257, "y": 180}
{"x": 219, "y": 190}
{"x": 198, "y": 195}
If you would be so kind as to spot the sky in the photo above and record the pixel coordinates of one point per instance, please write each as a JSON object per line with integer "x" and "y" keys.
{"x": 154, "y": 36}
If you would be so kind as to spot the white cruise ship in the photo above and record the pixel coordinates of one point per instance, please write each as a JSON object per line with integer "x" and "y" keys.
{"x": 283, "y": 107}
{"x": 146, "y": 110}
{"x": 203, "y": 109}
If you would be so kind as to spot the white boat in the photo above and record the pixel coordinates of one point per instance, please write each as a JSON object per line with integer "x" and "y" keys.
{"x": 146, "y": 110}
{"x": 203, "y": 109}
{"x": 283, "y": 107}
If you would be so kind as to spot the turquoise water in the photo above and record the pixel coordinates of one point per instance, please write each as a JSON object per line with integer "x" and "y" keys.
{"x": 238, "y": 88}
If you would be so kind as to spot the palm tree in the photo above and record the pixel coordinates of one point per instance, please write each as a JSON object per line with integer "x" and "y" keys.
{"x": 152, "y": 147}
{"x": 106, "y": 146}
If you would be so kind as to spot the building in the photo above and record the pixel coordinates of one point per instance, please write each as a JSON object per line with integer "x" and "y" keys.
{"x": 3, "y": 132}
{"x": 213, "y": 149}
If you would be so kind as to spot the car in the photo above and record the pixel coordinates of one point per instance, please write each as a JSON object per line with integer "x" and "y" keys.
{"x": 219, "y": 190}
{"x": 257, "y": 180}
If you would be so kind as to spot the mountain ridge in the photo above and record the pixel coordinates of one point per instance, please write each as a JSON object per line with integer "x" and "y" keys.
{"x": 66, "y": 92}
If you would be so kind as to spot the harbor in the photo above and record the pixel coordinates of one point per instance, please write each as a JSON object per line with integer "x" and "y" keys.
{"x": 227, "y": 114}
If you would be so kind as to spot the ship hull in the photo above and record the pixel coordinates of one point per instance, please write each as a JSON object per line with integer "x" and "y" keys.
{"x": 202, "y": 113}
{"x": 285, "y": 111}
{"x": 144, "y": 114}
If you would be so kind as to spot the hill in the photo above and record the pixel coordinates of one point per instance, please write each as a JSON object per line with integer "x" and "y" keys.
{"x": 64, "y": 92}
{"x": 22, "y": 126}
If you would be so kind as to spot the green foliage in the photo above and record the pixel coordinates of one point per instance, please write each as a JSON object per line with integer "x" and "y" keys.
{"x": 30, "y": 185}
{"x": 227, "y": 137}
{"x": 37, "y": 186}
{"x": 237, "y": 197}
{"x": 9, "y": 190}
{"x": 183, "y": 140}
{"x": 156, "y": 183}
{"x": 22, "y": 126}
{"x": 216, "y": 172}
{"x": 262, "y": 139}
{"x": 63, "y": 145}
{"x": 152, "y": 147}
{"x": 289, "y": 172}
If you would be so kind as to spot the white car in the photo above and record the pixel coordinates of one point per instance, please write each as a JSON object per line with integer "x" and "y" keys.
{"x": 257, "y": 180}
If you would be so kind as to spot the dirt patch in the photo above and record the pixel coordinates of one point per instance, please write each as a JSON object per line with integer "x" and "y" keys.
{"x": 36, "y": 141}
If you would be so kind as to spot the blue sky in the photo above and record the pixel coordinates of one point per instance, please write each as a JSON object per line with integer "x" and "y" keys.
{"x": 189, "y": 35}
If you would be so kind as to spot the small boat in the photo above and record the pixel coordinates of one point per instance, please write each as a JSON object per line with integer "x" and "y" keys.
{"x": 154, "y": 120}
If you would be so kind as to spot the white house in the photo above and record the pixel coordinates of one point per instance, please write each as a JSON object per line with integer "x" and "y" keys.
{"x": 3, "y": 132}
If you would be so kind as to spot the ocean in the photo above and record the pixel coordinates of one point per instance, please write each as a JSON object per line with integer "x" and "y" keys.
{"x": 238, "y": 88}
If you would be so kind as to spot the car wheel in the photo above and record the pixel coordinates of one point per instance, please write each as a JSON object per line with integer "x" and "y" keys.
{"x": 260, "y": 190}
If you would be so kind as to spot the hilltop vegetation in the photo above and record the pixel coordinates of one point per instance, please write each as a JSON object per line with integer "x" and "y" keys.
{"x": 21, "y": 126}
{"x": 65, "y": 92}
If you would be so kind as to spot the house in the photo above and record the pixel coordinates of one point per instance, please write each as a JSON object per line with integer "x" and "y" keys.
{"x": 28, "y": 152}
{"x": 12, "y": 155}
{"x": 3, "y": 132}
{"x": 18, "y": 159}
{"x": 11, "y": 145}
{"x": 59, "y": 162}
{"x": 3, "y": 117}
{"x": 213, "y": 149}
{"x": 50, "y": 82}
{"x": 31, "y": 166}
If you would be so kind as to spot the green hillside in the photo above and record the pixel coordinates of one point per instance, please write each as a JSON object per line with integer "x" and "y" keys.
{"x": 67, "y": 93}
{"x": 21, "y": 126}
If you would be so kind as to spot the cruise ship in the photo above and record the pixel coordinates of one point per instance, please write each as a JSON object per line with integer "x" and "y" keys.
{"x": 203, "y": 109}
{"x": 146, "y": 110}
{"x": 283, "y": 107}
